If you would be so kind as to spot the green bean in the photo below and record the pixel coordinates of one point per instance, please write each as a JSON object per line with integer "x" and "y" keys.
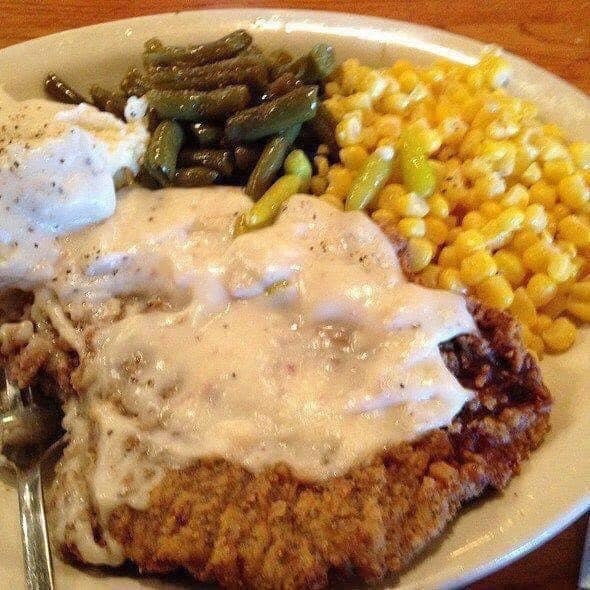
{"x": 253, "y": 76}
{"x": 273, "y": 116}
{"x": 417, "y": 173}
{"x": 153, "y": 119}
{"x": 153, "y": 44}
{"x": 321, "y": 63}
{"x": 298, "y": 164}
{"x": 246, "y": 156}
{"x": 162, "y": 151}
{"x": 223, "y": 48}
{"x": 108, "y": 101}
{"x": 370, "y": 178}
{"x": 60, "y": 91}
{"x": 284, "y": 84}
{"x": 205, "y": 134}
{"x": 194, "y": 176}
{"x": 134, "y": 83}
{"x": 323, "y": 126}
{"x": 266, "y": 209}
{"x": 219, "y": 160}
{"x": 172, "y": 74}
{"x": 198, "y": 106}
{"x": 146, "y": 179}
{"x": 278, "y": 61}
{"x": 270, "y": 162}
{"x": 123, "y": 177}
{"x": 314, "y": 67}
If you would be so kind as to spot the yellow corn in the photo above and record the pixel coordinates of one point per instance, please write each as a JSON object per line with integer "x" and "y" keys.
{"x": 473, "y": 220}
{"x": 555, "y": 170}
{"x": 448, "y": 257}
{"x": 533, "y": 342}
{"x": 436, "y": 230}
{"x": 469, "y": 241}
{"x": 542, "y": 323}
{"x": 573, "y": 191}
{"x": 420, "y": 253}
{"x": 411, "y": 205}
{"x": 523, "y": 307}
{"x": 559, "y": 335}
{"x": 429, "y": 276}
{"x": 477, "y": 267}
{"x": 499, "y": 230}
{"x": 509, "y": 217}
{"x": 535, "y": 217}
{"x": 581, "y": 154}
{"x": 535, "y": 256}
{"x": 559, "y": 267}
{"x": 450, "y": 279}
{"x": 495, "y": 292}
{"x": 541, "y": 289}
{"x": 574, "y": 229}
{"x": 411, "y": 227}
{"x": 579, "y": 310}
{"x": 353, "y": 157}
{"x": 510, "y": 267}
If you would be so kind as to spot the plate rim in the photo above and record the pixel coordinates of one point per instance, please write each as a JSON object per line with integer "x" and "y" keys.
{"x": 367, "y": 22}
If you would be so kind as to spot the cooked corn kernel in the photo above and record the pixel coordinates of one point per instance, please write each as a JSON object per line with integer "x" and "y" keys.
{"x": 450, "y": 279}
{"x": 531, "y": 174}
{"x": 353, "y": 157}
{"x": 523, "y": 307}
{"x": 333, "y": 200}
{"x": 517, "y": 196}
{"x": 495, "y": 292}
{"x": 523, "y": 239}
{"x": 411, "y": 205}
{"x": 420, "y": 253}
{"x": 581, "y": 154}
{"x": 477, "y": 267}
{"x": 469, "y": 241}
{"x": 436, "y": 230}
{"x": 574, "y": 229}
{"x": 510, "y": 266}
{"x": 535, "y": 217}
{"x": 473, "y": 220}
{"x": 542, "y": 323}
{"x": 448, "y": 257}
{"x": 581, "y": 291}
{"x": 579, "y": 310}
{"x": 439, "y": 207}
{"x": 559, "y": 267}
{"x": 412, "y": 227}
{"x": 535, "y": 256}
{"x": 543, "y": 193}
{"x": 555, "y": 170}
{"x": 541, "y": 289}
{"x": 429, "y": 276}
{"x": 533, "y": 342}
{"x": 573, "y": 191}
{"x": 559, "y": 335}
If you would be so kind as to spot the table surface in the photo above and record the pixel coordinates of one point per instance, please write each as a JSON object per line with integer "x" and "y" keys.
{"x": 553, "y": 35}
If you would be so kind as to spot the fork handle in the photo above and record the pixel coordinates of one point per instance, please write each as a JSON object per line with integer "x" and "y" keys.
{"x": 37, "y": 559}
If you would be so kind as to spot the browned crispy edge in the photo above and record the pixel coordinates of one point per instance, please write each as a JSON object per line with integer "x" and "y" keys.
{"x": 226, "y": 525}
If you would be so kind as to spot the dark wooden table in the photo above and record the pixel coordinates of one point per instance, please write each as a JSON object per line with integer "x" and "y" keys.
{"x": 554, "y": 35}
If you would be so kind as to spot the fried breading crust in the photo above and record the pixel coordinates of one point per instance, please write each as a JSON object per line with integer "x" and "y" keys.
{"x": 272, "y": 530}
{"x": 224, "y": 524}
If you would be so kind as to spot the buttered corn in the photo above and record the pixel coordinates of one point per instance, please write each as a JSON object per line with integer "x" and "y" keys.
{"x": 492, "y": 201}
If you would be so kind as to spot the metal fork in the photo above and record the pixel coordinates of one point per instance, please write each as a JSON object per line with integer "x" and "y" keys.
{"x": 30, "y": 429}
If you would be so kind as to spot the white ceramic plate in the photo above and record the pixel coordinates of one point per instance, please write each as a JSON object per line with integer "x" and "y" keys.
{"x": 554, "y": 487}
